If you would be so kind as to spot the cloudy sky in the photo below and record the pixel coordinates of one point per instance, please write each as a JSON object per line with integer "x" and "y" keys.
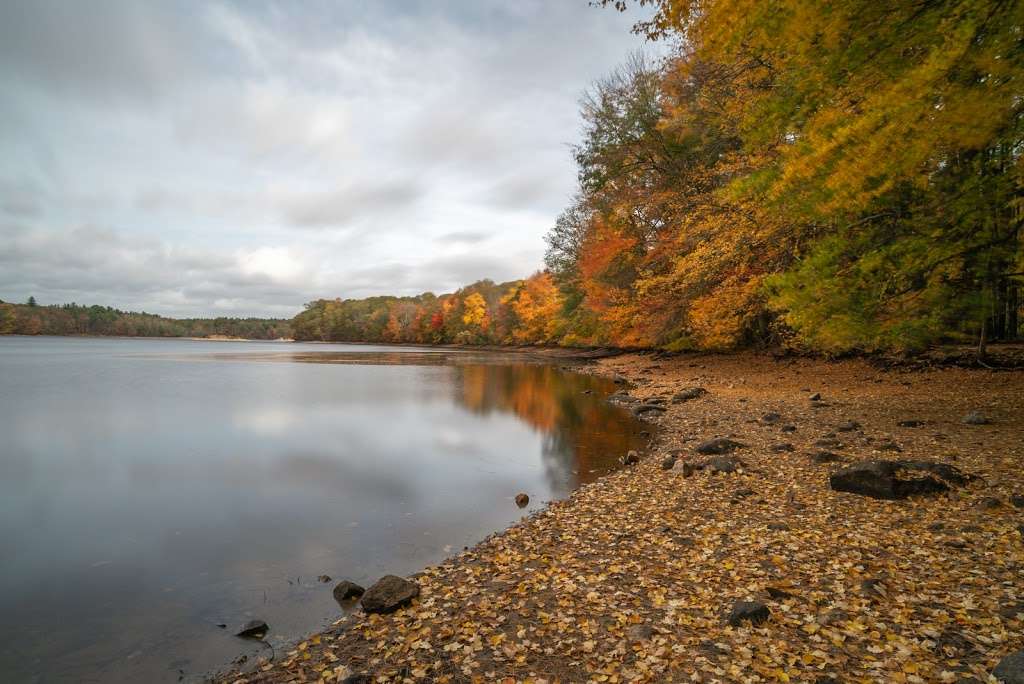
{"x": 217, "y": 158}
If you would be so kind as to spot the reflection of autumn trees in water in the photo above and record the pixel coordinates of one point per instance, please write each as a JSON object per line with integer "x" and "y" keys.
{"x": 582, "y": 432}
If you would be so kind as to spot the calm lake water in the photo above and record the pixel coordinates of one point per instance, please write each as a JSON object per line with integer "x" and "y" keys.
{"x": 152, "y": 490}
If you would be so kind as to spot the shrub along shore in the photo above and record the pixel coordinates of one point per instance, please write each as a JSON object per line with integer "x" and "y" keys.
{"x": 748, "y": 544}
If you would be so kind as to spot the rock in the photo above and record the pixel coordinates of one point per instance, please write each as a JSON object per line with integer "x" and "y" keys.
{"x": 358, "y": 678}
{"x": 888, "y": 445}
{"x": 345, "y": 591}
{"x": 684, "y": 468}
{"x": 324, "y": 579}
{"x": 781, "y": 447}
{"x": 631, "y": 458}
{"x": 989, "y": 503}
{"x": 824, "y": 456}
{"x": 723, "y": 464}
{"x": 778, "y": 526}
{"x": 720, "y": 445}
{"x": 743, "y": 493}
{"x": 668, "y": 463}
{"x": 754, "y": 612}
{"x": 640, "y": 632}
{"x": 648, "y": 407}
{"x": 815, "y": 397}
{"x": 910, "y": 423}
{"x": 522, "y": 499}
{"x": 975, "y": 418}
{"x": 788, "y": 428}
{"x": 688, "y": 395}
{"x": 253, "y": 629}
{"x": 1010, "y": 669}
{"x": 828, "y": 443}
{"x": 848, "y": 426}
{"x": 894, "y": 479}
{"x": 770, "y": 418}
{"x": 1017, "y": 500}
{"x": 777, "y": 593}
{"x": 389, "y": 594}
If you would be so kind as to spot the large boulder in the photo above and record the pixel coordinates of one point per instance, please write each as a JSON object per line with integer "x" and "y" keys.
{"x": 389, "y": 594}
{"x": 895, "y": 479}
{"x": 718, "y": 446}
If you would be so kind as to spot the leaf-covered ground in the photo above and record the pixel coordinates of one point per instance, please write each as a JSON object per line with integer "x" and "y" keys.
{"x": 631, "y": 578}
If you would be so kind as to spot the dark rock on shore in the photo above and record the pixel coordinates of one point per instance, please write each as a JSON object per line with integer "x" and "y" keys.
{"x": 720, "y": 445}
{"x": 976, "y": 418}
{"x": 668, "y": 463}
{"x": 522, "y": 499}
{"x": 1010, "y": 669}
{"x": 722, "y": 464}
{"x": 771, "y": 418}
{"x": 644, "y": 409}
{"x": 389, "y": 594}
{"x": 346, "y": 590}
{"x": 825, "y": 457}
{"x": 848, "y": 426}
{"x": 895, "y": 479}
{"x": 753, "y": 612}
{"x": 688, "y": 394}
{"x": 788, "y": 428}
{"x": 253, "y": 629}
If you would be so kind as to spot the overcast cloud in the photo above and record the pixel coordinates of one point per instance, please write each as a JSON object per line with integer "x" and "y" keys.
{"x": 191, "y": 158}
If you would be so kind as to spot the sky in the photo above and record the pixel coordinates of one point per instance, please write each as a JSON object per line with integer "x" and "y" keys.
{"x": 241, "y": 159}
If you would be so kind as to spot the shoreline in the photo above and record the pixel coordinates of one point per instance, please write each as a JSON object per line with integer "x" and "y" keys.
{"x": 629, "y": 578}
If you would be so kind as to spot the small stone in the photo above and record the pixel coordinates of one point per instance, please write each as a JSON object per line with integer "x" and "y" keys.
{"x": 848, "y": 426}
{"x": 771, "y": 418}
{"x": 824, "y": 456}
{"x": 684, "y": 468}
{"x": 346, "y": 590}
{"x": 989, "y": 503}
{"x": 1017, "y": 500}
{"x": 253, "y": 629}
{"x": 668, "y": 463}
{"x": 781, "y": 447}
{"x": 324, "y": 579}
{"x": 720, "y": 445}
{"x": 1010, "y": 669}
{"x": 975, "y": 418}
{"x": 888, "y": 445}
{"x": 744, "y": 493}
{"x": 828, "y": 443}
{"x": 778, "y": 526}
{"x": 910, "y": 423}
{"x": 389, "y": 594}
{"x": 522, "y": 499}
{"x": 689, "y": 395}
{"x": 754, "y": 612}
{"x": 723, "y": 464}
{"x": 788, "y": 428}
{"x": 640, "y": 632}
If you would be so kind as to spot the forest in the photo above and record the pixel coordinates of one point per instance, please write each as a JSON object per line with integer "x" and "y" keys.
{"x": 829, "y": 177}
{"x": 71, "y": 319}
{"x": 833, "y": 177}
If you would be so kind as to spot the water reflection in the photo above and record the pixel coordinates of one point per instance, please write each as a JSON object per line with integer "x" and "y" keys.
{"x": 152, "y": 490}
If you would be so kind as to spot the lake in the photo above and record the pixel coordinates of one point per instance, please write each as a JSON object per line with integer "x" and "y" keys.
{"x": 154, "y": 490}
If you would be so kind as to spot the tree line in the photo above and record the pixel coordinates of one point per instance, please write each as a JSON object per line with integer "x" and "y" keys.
{"x": 833, "y": 176}
{"x": 830, "y": 176}
{"x": 72, "y": 319}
